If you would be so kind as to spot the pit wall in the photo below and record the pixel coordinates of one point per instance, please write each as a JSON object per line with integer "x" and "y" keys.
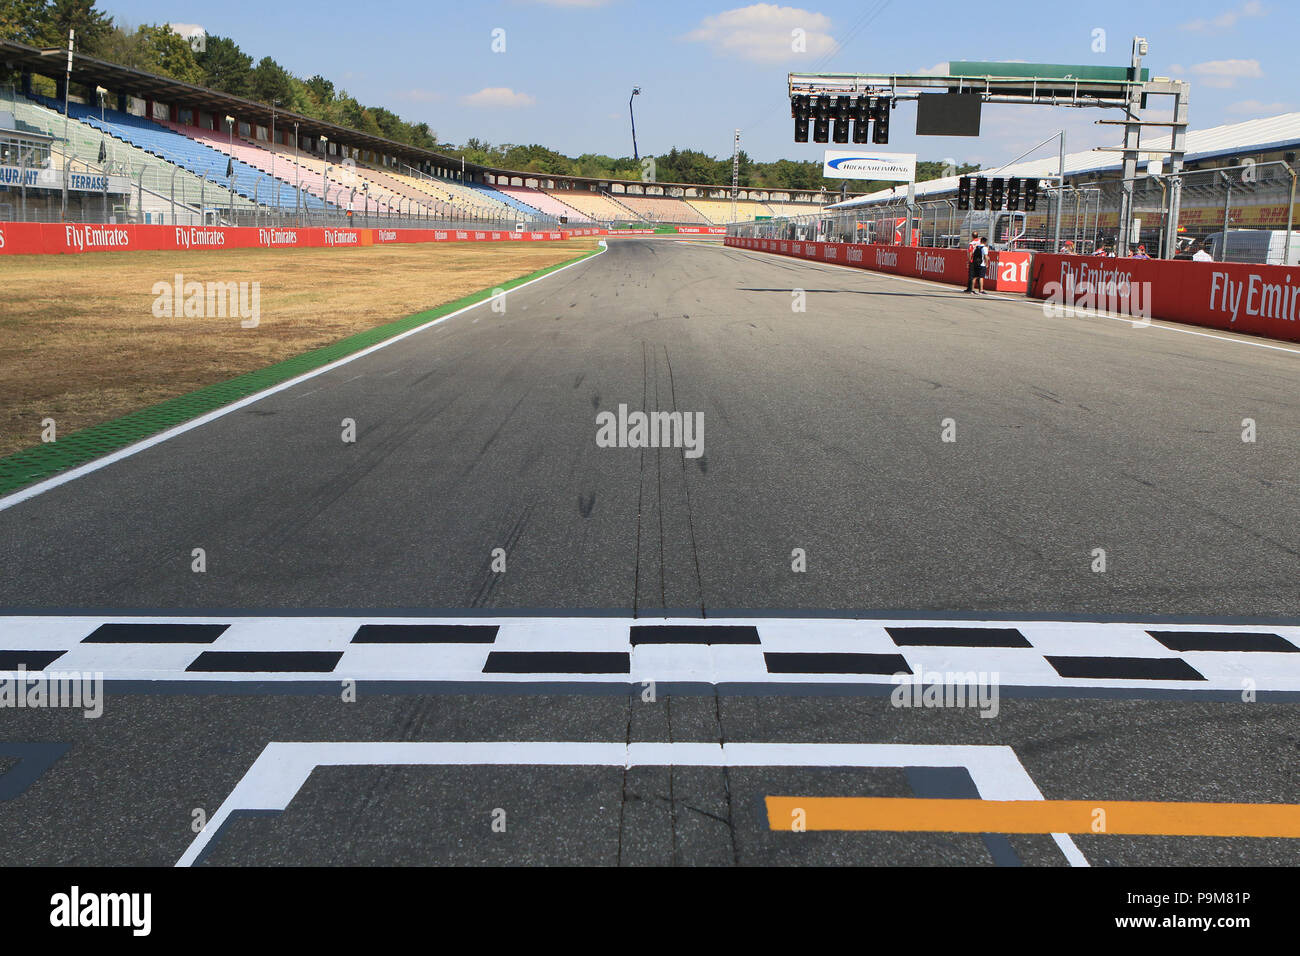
{"x": 1008, "y": 271}
{"x": 1235, "y": 297}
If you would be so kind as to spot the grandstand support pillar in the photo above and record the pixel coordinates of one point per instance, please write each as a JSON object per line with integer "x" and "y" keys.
{"x": 1177, "y": 147}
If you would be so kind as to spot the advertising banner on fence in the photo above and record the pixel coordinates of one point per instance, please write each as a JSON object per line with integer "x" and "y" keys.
{"x": 1008, "y": 271}
{"x": 18, "y": 238}
{"x": 1236, "y": 297}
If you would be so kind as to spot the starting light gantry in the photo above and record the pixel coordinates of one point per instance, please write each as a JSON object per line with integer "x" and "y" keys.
{"x": 852, "y": 100}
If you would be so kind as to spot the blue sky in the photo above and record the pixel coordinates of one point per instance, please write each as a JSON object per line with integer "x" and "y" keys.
{"x": 708, "y": 66}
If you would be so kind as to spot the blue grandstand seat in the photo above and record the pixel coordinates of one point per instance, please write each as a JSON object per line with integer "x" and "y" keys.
{"x": 199, "y": 159}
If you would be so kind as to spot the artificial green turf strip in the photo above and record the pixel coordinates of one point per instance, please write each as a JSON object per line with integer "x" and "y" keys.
{"x": 41, "y": 461}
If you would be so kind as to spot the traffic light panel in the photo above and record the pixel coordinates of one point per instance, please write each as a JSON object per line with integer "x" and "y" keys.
{"x": 861, "y": 119}
{"x": 981, "y": 192}
{"x": 841, "y": 130}
{"x": 963, "y": 193}
{"x": 880, "y": 116}
{"x": 822, "y": 120}
{"x": 800, "y": 108}
{"x": 1031, "y": 194}
{"x": 1013, "y": 194}
{"x": 995, "y": 193}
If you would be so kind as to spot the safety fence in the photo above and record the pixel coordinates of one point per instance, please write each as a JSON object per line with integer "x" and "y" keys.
{"x": 52, "y": 238}
{"x": 1224, "y": 209}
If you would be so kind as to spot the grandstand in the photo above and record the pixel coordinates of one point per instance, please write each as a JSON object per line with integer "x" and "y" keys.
{"x": 163, "y": 185}
{"x": 197, "y": 157}
{"x": 597, "y": 206}
{"x": 545, "y": 203}
{"x": 662, "y": 209}
{"x": 720, "y": 211}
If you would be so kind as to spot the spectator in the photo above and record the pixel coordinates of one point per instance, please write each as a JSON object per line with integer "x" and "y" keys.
{"x": 1141, "y": 253}
{"x": 970, "y": 261}
{"x": 1067, "y": 247}
{"x": 979, "y": 266}
{"x": 1201, "y": 254}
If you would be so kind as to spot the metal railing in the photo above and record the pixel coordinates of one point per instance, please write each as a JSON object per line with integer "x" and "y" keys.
{"x": 1239, "y": 200}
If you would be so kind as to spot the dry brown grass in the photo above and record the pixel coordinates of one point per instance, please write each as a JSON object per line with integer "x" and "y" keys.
{"x": 79, "y": 342}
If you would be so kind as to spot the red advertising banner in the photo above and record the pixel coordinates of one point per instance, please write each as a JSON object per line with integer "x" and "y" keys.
{"x": 1008, "y": 271}
{"x": 1237, "y": 297}
{"x": 24, "y": 238}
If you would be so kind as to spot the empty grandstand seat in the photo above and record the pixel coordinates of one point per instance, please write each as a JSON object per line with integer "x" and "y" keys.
{"x": 199, "y": 158}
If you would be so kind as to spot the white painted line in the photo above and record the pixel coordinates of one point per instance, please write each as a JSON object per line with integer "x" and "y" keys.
{"x": 1228, "y": 670}
{"x": 282, "y": 768}
{"x": 91, "y": 466}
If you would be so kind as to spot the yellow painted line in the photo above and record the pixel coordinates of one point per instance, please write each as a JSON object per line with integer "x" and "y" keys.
{"x": 1153, "y": 818}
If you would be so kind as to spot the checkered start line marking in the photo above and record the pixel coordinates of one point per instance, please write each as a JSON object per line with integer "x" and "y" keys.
{"x": 1060, "y": 654}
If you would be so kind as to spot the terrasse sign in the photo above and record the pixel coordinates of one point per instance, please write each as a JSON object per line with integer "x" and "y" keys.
{"x": 14, "y": 177}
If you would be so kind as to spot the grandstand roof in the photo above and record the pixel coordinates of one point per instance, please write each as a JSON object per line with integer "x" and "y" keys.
{"x": 1258, "y": 135}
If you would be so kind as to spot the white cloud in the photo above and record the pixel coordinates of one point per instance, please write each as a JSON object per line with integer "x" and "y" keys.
{"x": 188, "y": 30}
{"x": 1225, "y": 73}
{"x": 1257, "y": 108}
{"x": 939, "y": 69}
{"x": 498, "y": 97}
{"x": 1226, "y": 20}
{"x": 764, "y": 32}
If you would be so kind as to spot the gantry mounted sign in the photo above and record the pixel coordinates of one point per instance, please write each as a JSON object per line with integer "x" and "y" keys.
{"x": 869, "y": 164}
{"x": 959, "y": 94}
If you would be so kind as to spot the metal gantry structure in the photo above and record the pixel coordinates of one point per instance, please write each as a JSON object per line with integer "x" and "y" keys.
{"x": 1122, "y": 88}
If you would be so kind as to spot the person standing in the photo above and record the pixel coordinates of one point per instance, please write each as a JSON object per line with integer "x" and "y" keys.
{"x": 970, "y": 261}
{"x": 980, "y": 264}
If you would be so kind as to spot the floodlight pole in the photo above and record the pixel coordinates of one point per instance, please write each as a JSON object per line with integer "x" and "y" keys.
{"x": 636, "y": 91}
{"x": 67, "y": 84}
{"x": 735, "y": 174}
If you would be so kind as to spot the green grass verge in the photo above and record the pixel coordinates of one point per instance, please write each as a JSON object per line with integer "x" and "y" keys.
{"x": 41, "y": 461}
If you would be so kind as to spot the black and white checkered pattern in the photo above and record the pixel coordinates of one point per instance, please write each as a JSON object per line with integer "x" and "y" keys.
{"x": 621, "y": 650}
